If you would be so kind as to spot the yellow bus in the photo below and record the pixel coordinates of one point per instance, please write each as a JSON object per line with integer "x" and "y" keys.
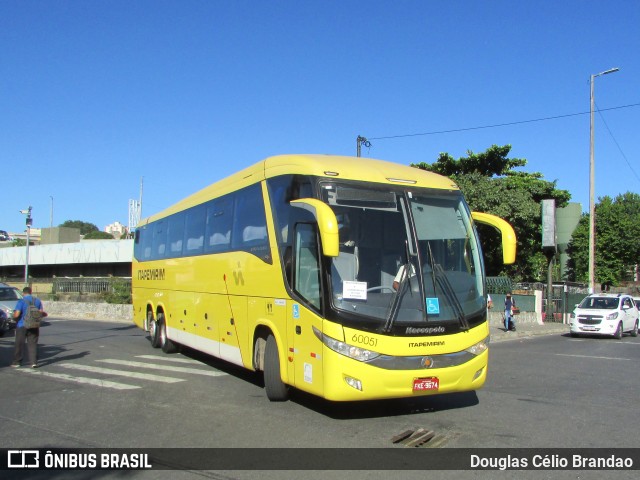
{"x": 348, "y": 278}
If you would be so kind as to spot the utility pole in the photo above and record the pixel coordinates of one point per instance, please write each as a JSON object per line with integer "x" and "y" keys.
{"x": 592, "y": 207}
{"x": 359, "y": 142}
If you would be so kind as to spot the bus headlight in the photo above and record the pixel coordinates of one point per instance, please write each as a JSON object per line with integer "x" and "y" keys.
{"x": 351, "y": 351}
{"x": 479, "y": 347}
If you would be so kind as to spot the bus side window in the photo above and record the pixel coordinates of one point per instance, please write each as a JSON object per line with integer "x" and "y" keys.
{"x": 159, "y": 239}
{"x": 250, "y": 223}
{"x": 219, "y": 223}
{"x": 176, "y": 232}
{"x": 194, "y": 230}
{"x": 143, "y": 240}
{"x": 307, "y": 266}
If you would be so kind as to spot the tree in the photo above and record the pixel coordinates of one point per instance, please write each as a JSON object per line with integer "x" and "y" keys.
{"x": 617, "y": 236}
{"x": 84, "y": 227}
{"x": 97, "y": 235}
{"x": 490, "y": 185}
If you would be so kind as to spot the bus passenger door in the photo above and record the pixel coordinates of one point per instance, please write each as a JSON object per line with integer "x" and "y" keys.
{"x": 304, "y": 347}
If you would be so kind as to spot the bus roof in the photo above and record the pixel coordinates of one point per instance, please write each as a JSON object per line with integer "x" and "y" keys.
{"x": 330, "y": 166}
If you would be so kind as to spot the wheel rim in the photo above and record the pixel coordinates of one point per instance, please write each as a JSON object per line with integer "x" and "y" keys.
{"x": 163, "y": 334}
{"x": 152, "y": 329}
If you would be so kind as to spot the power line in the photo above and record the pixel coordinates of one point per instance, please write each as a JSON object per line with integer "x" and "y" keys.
{"x": 437, "y": 132}
{"x": 617, "y": 145}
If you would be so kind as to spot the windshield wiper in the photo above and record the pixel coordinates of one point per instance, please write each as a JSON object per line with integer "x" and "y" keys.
{"x": 447, "y": 289}
{"x": 397, "y": 297}
{"x": 396, "y": 300}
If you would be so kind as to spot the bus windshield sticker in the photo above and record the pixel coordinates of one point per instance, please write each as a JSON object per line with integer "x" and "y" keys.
{"x": 433, "y": 306}
{"x": 354, "y": 290}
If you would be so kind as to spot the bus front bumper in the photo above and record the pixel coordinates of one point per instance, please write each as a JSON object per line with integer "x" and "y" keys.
{"x": 351, "y": 380}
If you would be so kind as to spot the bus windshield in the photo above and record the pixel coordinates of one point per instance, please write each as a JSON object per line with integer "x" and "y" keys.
{"x": 409, "y": 258}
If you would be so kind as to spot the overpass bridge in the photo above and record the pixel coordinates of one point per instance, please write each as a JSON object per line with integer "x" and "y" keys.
{"x": 88, "y": 258}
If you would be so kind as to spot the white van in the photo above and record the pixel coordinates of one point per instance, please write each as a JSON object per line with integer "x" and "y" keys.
{"x": 605, "y": 314}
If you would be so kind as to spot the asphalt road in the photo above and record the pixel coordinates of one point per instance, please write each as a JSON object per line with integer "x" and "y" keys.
{"x": 95, "y": 389}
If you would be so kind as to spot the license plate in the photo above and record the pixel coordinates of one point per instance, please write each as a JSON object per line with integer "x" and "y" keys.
{"x": 424, "y": 384}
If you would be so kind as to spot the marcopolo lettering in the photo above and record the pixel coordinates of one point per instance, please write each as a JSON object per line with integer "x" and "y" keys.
{"x": 151, "y": 274}
{"x": 423, "y": 330}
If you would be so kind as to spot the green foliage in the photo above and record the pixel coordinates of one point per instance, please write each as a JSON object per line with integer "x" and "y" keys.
{"x": 19, "y": 242}
{"x": 490, "y": 185}
{"x": 617, "y": 241}
{"x": 120, "y": 292}
{"x": 95, "y": 235}
{"x": 492, "y": 162}
{"x": 85, "y": 227}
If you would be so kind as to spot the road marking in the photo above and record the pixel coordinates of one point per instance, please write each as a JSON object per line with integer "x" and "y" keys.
{"x": 122, "y": 373}
{"x": 166, "y": 368}
{"x": 170, "y": 359}
{"x": 89, "y": 381}
{"x": 592, "y": 356}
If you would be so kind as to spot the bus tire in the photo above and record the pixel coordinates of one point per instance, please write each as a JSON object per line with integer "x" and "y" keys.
{"x": 277, "y": 390}
{"x": 167, "y": 345}
{"x": 154, "y": 333}
{"x": 147, "y": 321}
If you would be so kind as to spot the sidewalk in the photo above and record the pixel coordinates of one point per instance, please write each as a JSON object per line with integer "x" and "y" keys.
{"x": 525, "y": 330}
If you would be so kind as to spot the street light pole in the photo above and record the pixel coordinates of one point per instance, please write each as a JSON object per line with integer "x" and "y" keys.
{"x": 359, "y": 142}
{"x": 592, "y": 206}
{"x": 29, "y": 222}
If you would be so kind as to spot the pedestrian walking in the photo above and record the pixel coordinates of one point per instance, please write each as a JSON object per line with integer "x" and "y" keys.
{"x": 23, "y": 334}
{"x": 509, "y": 305}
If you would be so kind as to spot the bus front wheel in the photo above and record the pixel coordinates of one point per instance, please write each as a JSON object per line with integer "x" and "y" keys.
{"x": 277, "y": 390}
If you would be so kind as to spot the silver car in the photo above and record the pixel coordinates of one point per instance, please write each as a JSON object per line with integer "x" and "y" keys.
{"x": 9, "y": 296}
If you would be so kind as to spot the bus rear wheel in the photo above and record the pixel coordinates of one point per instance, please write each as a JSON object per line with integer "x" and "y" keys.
{"x": 277, "y": 390}
{"x": 167, "y": 345}
{"x": 154, "y": 332}
{"x": 147, "y": 321}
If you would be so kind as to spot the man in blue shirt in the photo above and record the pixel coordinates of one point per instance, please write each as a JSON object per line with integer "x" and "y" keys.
{"x": 29, "y": 334}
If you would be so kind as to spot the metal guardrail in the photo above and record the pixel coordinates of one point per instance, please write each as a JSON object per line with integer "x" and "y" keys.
{"x": 85, "y": 285}
{"x": 499, "y": 285}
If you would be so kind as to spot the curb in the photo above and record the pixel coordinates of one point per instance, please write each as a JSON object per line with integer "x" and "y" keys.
{"x": 499, "y": 335}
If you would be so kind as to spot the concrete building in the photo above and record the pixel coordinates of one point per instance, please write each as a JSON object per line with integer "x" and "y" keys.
{"x": 116, "y": 229}
{"x": 98, "y": 258}
{"x": 50, "y": 236}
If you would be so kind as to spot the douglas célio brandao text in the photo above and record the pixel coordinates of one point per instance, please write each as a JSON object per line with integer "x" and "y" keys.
{"x": 550, "y": 461}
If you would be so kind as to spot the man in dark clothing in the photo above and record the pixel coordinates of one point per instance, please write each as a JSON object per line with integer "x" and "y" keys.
{"x": 29, "y": 334}
{"x": 509, "y": 304}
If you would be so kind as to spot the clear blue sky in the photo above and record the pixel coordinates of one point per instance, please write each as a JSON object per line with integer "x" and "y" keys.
{"x": 96, "y": 94}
